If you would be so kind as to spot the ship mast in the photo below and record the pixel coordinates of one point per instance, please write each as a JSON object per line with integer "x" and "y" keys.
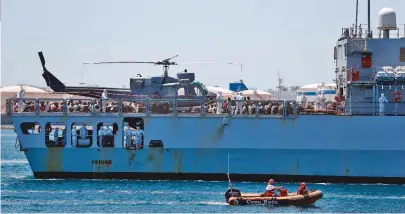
{"x": 280, "y": 82}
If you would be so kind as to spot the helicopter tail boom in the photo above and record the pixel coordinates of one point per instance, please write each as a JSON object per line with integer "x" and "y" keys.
{"x": 54, "y": 83}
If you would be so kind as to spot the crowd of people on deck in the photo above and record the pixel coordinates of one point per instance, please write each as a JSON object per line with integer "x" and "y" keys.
{"x": 238, "y": 104}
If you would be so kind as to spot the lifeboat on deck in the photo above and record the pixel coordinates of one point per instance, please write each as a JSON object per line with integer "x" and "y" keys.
{"x": 235, "y": 197}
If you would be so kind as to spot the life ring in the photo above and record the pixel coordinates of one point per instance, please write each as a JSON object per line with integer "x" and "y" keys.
{"x": 396, "y": 97}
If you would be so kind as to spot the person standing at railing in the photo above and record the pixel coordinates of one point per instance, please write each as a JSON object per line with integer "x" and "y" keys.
{"x": 128, "y": 137}
{"x": 104, "y": 98}
{"x": 56, "y": 136}
{"x": 74, "y": 136}
{"x": 322, "y": 100}
{"x": 138, "y": 133}
{"x": 20, "y": 95}
{"x": 382, "y": 100}
{"x": 303, "y": 100}
{"x": 101, "y": 133}
{"x": 239, "y": 103}
{"x": 219, "y": 102}
{"x": 317, "y": 100}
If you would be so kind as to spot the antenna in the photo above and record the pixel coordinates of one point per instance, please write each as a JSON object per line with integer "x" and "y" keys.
{"x": 280, "y": 82}
{"x": 357, "y": 13}
{"x": 368, "y": 20}
{"x": 81, "y": 79}
{"x": 241, "y": 71}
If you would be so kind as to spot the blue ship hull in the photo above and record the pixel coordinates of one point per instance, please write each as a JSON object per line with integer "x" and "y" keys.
{"x": 305, "y": 148}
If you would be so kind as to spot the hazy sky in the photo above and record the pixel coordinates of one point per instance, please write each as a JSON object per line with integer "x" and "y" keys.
{"x": 293, "y": 36}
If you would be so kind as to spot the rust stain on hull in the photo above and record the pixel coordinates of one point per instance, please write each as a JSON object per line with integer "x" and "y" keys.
{"x": 177, "y": 157}
{"x": 155, "y": 157}
{"x": 219, "y": 132}
{"x": 131, "y": 157}
{"x": 54, "y": 159}
{"x": 105, "y": 156}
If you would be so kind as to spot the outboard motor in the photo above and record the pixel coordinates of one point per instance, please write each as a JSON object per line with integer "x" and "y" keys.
{"x": 232, "y": 193}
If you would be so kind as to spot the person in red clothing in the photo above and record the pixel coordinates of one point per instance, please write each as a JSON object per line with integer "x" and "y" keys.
{"x": 302, "y": 189}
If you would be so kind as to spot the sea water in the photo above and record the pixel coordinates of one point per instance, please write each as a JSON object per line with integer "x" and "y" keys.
{"x": 21, "y": 192}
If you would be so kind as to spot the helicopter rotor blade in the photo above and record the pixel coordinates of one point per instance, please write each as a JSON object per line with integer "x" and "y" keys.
{"x": 168, "y": 59}
{"x": 218, "y": 63}
{"x": 119, "y": 62}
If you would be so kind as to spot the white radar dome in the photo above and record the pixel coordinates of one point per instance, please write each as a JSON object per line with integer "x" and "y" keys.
{"x": 387, "y": 19}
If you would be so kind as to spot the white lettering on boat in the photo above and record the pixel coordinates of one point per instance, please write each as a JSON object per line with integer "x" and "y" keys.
{"x": 269, "y": 202}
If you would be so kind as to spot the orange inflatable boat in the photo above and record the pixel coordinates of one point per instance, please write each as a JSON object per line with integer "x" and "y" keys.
{"x": 235, "y": 197}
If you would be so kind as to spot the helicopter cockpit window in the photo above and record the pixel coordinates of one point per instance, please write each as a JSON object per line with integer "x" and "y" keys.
{"x": 197, "y": 91}
{"x": 181, "y": 92}
{"x": 204, "y": 89}
{"x": 147, "y": 82}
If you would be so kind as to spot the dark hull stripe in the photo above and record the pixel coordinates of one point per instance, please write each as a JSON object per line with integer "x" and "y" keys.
{"x": 218, "y": 177}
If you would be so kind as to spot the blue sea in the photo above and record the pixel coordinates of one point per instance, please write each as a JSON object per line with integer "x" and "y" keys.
{"x": 20, "y": 192}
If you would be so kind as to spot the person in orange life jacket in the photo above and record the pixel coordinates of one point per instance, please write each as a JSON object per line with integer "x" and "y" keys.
{"x": 270, "y": 188}
{"x": 302, "y": 189}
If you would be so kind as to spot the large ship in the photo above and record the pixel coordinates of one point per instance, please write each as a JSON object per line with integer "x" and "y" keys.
{"x": 117, "y": 133}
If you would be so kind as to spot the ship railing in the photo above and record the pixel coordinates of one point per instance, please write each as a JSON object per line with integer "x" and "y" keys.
{"x": 154, "y": 107}
{"x": 363, "y": 32}
{"x": 373, "y": 108}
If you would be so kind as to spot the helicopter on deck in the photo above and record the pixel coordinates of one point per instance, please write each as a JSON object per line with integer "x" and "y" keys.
{"x": 140, "y": 87}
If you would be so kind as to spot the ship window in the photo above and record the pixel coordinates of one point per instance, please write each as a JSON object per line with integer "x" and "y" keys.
{"x": 55, "y": 134}
{"x": 334, "y": 53}
{"x": 30, "y": 128}
{"x": 402, "y": 55}
{"x": 106, "y": 134}
{"x": 133, "y": 135}
{"x": 81, "y": 135}
{"x": 345, "y": 49}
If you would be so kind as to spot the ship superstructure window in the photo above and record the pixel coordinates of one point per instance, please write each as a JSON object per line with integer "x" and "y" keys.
{"x": 81, "y": 134}
{"x": 107, "y": 134}
{"x": 335, "y": 53}
{"x": 133, "y": 136}
{"x": 30, "y": 128}
{"x": 55, "y": 134}
{"x": 402, "y": 54}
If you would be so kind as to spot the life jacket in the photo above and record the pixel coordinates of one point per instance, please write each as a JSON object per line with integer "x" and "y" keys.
{"x": 302, "y": 190}
{"x": 268, "y": 193}
{"x": 283, "y": 192}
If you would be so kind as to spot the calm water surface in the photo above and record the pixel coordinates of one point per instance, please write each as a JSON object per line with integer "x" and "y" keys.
{"x": 20, "y": 192}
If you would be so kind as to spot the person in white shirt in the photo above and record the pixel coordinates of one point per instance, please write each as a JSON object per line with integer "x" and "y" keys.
{"x": 239, "y": 103}
{"x": 270, "y": 188}
{"x": 219, "y": 102}
{"x": 382, "y": 100}
{"x": 20, "y": 95}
